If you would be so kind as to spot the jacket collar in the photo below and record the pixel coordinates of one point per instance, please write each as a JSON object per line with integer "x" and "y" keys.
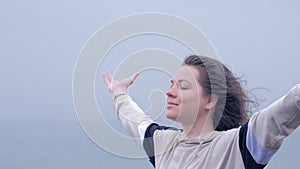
{"x": 203, "y": 138}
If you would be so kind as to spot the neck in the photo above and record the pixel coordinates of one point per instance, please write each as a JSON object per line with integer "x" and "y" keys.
{"x": 200, "y": 126}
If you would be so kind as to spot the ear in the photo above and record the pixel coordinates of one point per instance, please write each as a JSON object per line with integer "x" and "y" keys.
{"x": 211, "y": 101}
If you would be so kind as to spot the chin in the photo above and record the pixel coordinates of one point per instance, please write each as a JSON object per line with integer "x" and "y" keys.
{"x": 171, "y": 116}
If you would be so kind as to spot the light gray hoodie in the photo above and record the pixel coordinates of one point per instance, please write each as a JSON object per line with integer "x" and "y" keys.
{"x": 249, "y": 146}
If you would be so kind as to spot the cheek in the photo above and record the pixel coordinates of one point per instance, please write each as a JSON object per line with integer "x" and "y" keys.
{"x": 190, "y": 100}
{"x": 190, "y": 109}
{"x": 190, "y": 106}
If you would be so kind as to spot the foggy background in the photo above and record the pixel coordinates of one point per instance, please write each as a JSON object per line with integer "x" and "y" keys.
{"x": 41, "y": 40}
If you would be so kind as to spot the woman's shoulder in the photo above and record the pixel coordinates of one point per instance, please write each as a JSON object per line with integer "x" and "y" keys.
{"x": 230, "y": 135}
{"x": 169, "y": 133}
{"x": 166, "y": 139}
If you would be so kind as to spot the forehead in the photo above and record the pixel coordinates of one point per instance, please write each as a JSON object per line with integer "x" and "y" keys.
{"x": 186, "y": 73}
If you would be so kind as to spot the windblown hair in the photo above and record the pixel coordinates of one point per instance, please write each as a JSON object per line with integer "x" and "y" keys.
{"x": 231, "y": 109}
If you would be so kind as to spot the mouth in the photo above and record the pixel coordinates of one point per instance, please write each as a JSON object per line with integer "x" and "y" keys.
{"x": 171, "y": 104}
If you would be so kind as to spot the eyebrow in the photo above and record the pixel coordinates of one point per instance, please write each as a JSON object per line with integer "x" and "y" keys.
{"x": 181, "y": 80}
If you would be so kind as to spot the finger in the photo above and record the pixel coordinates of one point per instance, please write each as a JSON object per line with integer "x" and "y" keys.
{"x": 110, "y": 78}
{"x": 133, "y": 77}
{"x": 105, "y": 79}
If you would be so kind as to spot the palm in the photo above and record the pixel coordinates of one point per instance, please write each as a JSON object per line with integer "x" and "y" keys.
{"x": 115, "y": 86}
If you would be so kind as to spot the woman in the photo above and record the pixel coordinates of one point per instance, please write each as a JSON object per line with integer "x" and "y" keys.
{"x": 210, "y": 104}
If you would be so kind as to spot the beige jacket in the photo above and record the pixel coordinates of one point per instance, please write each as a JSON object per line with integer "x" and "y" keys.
{"x": 249, "y": 146}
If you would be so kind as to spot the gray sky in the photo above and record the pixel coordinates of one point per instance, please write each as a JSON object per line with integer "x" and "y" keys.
{"x": 41, "y": 40}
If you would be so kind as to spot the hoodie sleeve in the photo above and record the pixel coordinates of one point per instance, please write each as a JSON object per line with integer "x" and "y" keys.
{"x": 262, "y": 136}
{"x": 132, "y": 117}
{"x": 138, "y": 124}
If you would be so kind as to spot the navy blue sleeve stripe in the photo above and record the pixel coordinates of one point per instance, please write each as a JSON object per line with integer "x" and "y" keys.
{"x": 248, "y": 160}
{"x": 148, "y": 140}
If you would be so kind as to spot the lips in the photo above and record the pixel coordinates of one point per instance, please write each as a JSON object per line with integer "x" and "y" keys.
{"x": 171, "y": 104}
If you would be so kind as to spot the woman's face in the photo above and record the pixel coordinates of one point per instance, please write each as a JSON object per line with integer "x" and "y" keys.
{"x": 185, "y": 98}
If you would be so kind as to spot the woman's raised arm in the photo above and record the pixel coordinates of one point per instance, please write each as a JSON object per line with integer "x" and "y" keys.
{"x": 267, "y": 128}
{"x": 129, "y": 113}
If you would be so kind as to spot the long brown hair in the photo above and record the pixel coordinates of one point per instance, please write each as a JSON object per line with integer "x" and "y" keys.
{"x": 231, "y": 109}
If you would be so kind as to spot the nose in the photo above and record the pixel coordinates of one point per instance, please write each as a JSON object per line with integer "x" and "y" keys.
{"x": 171, "y": 92}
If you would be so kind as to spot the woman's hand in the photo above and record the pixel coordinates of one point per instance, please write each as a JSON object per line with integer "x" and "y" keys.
{"x": 116, "y": 86}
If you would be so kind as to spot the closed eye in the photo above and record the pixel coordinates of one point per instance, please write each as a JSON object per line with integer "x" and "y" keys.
{"x": 184, "y": 85}
{"x": 184, "y": 88}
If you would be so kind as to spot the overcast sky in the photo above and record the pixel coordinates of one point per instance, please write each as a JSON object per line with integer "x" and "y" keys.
{"x": 41, "y": 41}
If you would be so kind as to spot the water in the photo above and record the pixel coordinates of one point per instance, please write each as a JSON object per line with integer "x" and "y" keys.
{"x": 55, "y": 145}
